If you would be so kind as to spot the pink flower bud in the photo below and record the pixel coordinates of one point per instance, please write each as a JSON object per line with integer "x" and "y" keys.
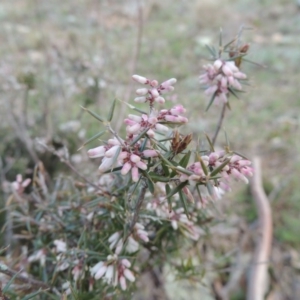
{"x": 142, "y": 92}
{"x": 227, "y": 71}
{"x": 154, "y": 83}
{"x": 106, "y": 164}
{"x": 113, "y": 141}
{"x": 140, "y": 99}
{"x": 169, "y": 82}
{"x": 154, "y": 93}
{"x": 240, "y": 75}
{"x": 152, "y": 120}
{"x": 177, "y": 110}
{"x": 141, "y": 165}
{"x": 151, "y": 133}
{"x": 112, "y": 151}
{"x": 167, "y": 89}
{"x": 134, "y": 158}
{"x": 122, "y": 281}
{"x": 126, "y": 168}
{"x": 135, "y": 118}
{"x": 218, "y": 64}
{"x": 133, "y": 129}
{"x": 211, "y": 90}
{"x": 129, "y": 275}
{"x": 150, "y": 153}
{"x": 101, "y": 272}
{"x": 140, "y": 79}
{"x": 160, "y": 100}
{"x": 125, "y": 262}
{"x": 129, "y": 122}
{"x": 232, "y": 66}
{"x": 96, "y": 152}
{"x": 135, "y": 174}
{"x": 161, "y": 128}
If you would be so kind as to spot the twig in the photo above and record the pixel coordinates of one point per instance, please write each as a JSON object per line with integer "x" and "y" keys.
{"x": 33, "y": 282}
{"x": 258, "y": 271}
{"x": 219, "y": 123}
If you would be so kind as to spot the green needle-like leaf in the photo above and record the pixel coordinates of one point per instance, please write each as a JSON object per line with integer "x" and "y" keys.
{"x": 111, "y": 111}
{"x": 93, "y": 114}
{"x": 92, "y": 139}
{"x": 220, "y": 167}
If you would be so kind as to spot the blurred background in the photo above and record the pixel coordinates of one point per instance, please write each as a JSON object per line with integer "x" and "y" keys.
{"x": 56, "y": 56}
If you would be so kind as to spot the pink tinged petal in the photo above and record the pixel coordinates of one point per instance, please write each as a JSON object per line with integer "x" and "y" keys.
{"x": 182, "y": 119}
{"x": 154, "y": 83}
{"x": 130, "y": 122}
{"x": 142, "y": 92}
{"x": 231, "y": 65}
{"x": 167, "y": 89}
{"x": 240, "y": 75}
{"x": 106, "y": 164}
{"x": 227, "y": 71}
{"x": 231, "y": 80}
{"x": 114, "y": 237}
{"x": 239, "y": 175}
{"x": 244, "y": 162}
{"x": 152, "y": 120}
{"x": 150, "y": 153}
{"x": 134, "y": 158}
{"x": 123, "y": 155}
{"x": 161, "y": 128}
{"x": 151, "y": 133}
{"x": 141, "y": 165}
{"x": 211, "y": 90}
{"x": 160, "y": 100}
{"x": 119, "y": 247}
{"x": 218, "y": 64}
{"x": 171, "y": 118}
{"x": 169, "y": 82}
{"x": 96, "y": 152}
{"x": 237, "y": 85}
{"x": 174, "y": 224}
{"x": 144, "y": 238}
{"x": 125, "y": 262}
{"x": 140, "y": 99}
{"x": 224, "y": 82}
{"x": 123, "y": 283}
{"x": 235, "y": 158}
{"x": 135, "y": 174}
{"x": 113, "y": 142}
{"x": 134, "y": 129}
{"x": 109, "y": 273}
{"x": 154, "y": 93}
{"x": 19, "y": 178}
{"x": 135, "y": 118}
{"x": 140, "y": 79}
{"x": 112, "y": 151}
{"x": 129, "y": 275}
{"x": 126, "y": 168}
{"x": 26, "y": 182}
{"x": 101, "y": 272}
{"x": 183, "y": 177}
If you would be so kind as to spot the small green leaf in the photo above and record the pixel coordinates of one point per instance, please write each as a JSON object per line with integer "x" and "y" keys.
{"x": 211, "y": 145}
{"x": 166, "y": 169}
{"x": 144, "y": 144}
{"x": 149, "y": 181}
{"x": 111, "y": 111}
{"x": 30, "y": 296}
{"x": 184, "y": 204}
{"x": 211, "y": 101}
{"x": 158, "y": 178}
{"x": 212, "y": 51}
{"x": 177, "y": 189}
{"x": 220, "y": 167}
{"x": 168, "y": 191}
{"x": 115, "y": 158}
{"x": 139, "y": 136}
{"x": 185, "y": 160}
{"x": 233, "y": 93}
{"x": 92, "y": 139}
{"x": 204, "y": 168}
{"x": 8, "y": 284}
{"x": 93, "y": 114}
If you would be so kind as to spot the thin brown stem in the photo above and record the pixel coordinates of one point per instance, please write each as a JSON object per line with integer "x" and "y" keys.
{"x": 220, "y": 122}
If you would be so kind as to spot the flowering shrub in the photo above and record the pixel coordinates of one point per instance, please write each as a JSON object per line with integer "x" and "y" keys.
{"x": 90, "y": 240}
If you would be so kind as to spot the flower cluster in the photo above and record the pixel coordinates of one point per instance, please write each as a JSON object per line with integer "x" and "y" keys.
{"x": 155, "y": 90}
{"x": 113, "y": 271}
{"x": 116, "y": 240}
{"x": 237, "y": 167}
{"x": 19, "y": 185}
{"x": 220, "y": 77}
